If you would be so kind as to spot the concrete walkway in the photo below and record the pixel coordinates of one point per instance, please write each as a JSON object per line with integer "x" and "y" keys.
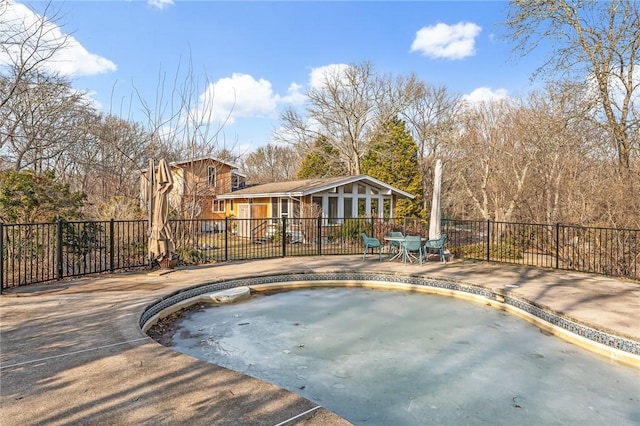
{"x": 73, "y": 353}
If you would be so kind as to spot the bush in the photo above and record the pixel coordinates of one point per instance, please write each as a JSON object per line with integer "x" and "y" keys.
{"x": 496, "y": 251}
{"x": 352, "y": 228}
{"x": 191, "y": 256}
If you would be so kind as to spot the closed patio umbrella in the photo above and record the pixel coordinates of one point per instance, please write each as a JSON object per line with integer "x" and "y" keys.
{"x": 436, "y": 210}
{"x": 161, "y": 240}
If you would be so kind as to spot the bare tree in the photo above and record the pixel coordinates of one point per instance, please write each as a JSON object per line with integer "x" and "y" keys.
{"x": 347, "y": 108}
{"x": 597, "y": 42}
{"x": 184, "y": 127}
{"x": 26, "y": 45}
{"x": 492, "y": 159}
{"x": 272, "y": 163}
{"x": 42, "y": 119}
{"x": 432, "y": 120}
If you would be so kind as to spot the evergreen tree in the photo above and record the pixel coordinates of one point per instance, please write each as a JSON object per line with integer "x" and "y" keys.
{"x": 26, "y": 198}
{"x": 393, "y": 158}
{"x": 323, "y": 161}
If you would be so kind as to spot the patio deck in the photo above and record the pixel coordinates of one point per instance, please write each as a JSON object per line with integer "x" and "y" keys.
{"x": 73, "y": 353}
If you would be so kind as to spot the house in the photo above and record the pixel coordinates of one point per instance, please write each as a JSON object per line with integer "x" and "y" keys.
{"x": 333, "y": 199}
{"x": 196, "y": 186}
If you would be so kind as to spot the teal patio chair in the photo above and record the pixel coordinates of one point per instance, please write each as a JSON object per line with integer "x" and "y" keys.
{"x": 395, "y": 246}
{"x": 371, "y": 242}
{"x": 412, "y": 244}
{"x": 437, "y": 246}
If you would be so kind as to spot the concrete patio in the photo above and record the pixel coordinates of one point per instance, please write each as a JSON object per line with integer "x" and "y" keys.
{"x": 73, "y": 353}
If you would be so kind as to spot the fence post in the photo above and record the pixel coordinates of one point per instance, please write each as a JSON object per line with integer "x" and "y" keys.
{"x": 112, "y": 245}
{"x": 488, "y": 240}
{"x": 557, "y": 244}
{"x": 59, "y": 270}
{"x": 226, "y": 238}
{"x": 1, "y": 257}
{"x": 284, "y": 236}
{"x": 319, "y": 234}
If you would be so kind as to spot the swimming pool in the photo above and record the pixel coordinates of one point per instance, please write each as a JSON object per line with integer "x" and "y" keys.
{"x": 407, "y": 358}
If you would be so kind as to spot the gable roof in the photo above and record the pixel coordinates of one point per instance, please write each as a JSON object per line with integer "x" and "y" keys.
{"x": 180, "y": 164}
{"x": 300, "y": 188}
{"x": 194, "y": 160}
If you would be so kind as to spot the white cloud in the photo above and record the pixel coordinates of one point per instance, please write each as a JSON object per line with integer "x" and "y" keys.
{"x": 447, "y": 41}
{"x": 238, "y": 96}
{"x": 484, "y": 94}
{"x": 319, "y": 75}
{"x": 72, "y": 59}
{"x": 160, "y": 4}
{"x": 295, "y": 95}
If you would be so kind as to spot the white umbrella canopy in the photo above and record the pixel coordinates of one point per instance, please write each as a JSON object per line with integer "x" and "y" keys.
{"x": 161, "y": 240}
{"x": 436, "y": 209}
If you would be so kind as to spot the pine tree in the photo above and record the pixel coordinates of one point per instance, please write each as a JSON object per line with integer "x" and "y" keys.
{"x": 393, "y": 158}
{"x": 323, "y": 161}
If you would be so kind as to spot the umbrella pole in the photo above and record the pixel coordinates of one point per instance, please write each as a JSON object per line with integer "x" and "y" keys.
{"x": 152, "y": 184}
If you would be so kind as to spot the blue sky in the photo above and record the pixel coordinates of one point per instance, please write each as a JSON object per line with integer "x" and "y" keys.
{"x": 267, "y": 52}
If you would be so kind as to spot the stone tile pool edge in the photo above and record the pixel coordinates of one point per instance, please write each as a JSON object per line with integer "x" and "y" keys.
{"x": 605, "y": 343}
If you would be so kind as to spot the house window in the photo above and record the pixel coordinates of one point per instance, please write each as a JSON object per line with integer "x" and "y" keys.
{"x": 317, "y": 201}
{"x": 295, "y": 210}
{"x": 348, "y": 208}
{"x": 362, "y": 189}
{"x": 333, "y": 210}
{"x": 274, "y": 210}
{"x": 362, "y": 204}
{"x": 218, "y": 206}
{"x": 386, "y": 208}
{"x": 374, "y": 207}
{"x": 211, "y": 176}
{"x": 284, "y": 207}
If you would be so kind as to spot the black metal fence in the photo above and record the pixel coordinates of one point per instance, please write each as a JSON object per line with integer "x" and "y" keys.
{"x": 41, "y": 252}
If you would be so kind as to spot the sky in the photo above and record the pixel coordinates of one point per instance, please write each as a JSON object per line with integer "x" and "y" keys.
{"x": 260, "y": 57}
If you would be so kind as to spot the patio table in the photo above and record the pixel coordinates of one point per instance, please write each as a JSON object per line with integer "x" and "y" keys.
{"x": 396, "y": 239}
{"x": 401, "y": 241}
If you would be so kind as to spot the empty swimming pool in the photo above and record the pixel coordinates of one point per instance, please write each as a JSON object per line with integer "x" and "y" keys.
{"x": 398, "y": 358}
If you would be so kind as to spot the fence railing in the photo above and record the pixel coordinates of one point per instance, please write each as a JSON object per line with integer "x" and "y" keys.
{"x": 42, "y": 252}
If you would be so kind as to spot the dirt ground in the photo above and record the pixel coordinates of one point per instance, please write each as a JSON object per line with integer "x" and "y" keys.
{"x": 165, "y": 328}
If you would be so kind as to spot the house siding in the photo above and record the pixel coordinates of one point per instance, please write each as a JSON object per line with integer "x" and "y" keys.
{"x": 192, "y": 193}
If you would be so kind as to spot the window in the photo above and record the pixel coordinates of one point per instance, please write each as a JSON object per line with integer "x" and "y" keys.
{"x": 284, "y": 207}
{"x": 211, "y": 176}
{"x": 274, "y": 210}
{"x": 362, "y": 203}
{"x": 333, "y": 210}
{"x": 348, "y": 208}
{"x": 317, "y": 201}
{"x": 362, "y": 189}
{"x": 295, "y": 210}
{"x": 237, "y": 181}
{"x": 374, "y": 207}
{"x": 386, "y": 208}
{"x": 218, "y": 206}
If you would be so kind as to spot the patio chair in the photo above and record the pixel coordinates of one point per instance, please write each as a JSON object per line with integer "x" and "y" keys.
{"x": 412, "y": 244}
{"x": 371, "y": 242}
{"x": 395, "y": 246}
{"x": 436, "y": 245}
